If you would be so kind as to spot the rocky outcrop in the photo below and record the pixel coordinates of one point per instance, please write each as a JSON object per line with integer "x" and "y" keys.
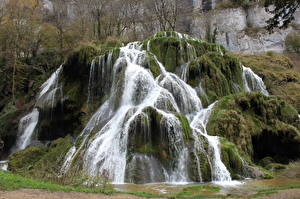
{"x": 141, "y": 109}
{"x": 242, "y": 30}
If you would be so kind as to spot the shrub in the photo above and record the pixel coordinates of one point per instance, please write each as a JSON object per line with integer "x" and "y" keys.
{"x": 292, "y": 43}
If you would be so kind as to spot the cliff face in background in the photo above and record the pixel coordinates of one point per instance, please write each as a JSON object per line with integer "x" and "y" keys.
{"x": 242, "y": 30}
{"x": 237, "y": 29}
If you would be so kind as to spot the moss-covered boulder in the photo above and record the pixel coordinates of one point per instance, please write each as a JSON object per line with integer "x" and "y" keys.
{"x": 219, "y": 75}
{"x": 209, "y": 67}
{"x": 258, "y": 125}
{"x": 40, "y": 161}
{"x": 172, "y": 51}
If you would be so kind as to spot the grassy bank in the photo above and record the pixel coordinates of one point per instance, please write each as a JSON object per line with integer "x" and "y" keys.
{"x": 9, "y": 182}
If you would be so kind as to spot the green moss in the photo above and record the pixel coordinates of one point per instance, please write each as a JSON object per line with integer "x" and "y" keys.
{"x": 24, "y": 160}
{"x": 40, "y": 162}
{"x": 203, "y": 187}
{"x": 278, "y": 74}
{"x": 219, "y": 75}
{"x": 146, "y": 149}
{"x": 9, "y": 126}
{"x": 249, "y": 120}
{"x": 232, "y": 159}
{"x": 185, "y": 126}
{"x": 152, "y": 64}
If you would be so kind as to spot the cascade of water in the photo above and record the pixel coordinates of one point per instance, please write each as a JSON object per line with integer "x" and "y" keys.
{"x": 67, "y": 161}
{"x": 46, "y": 97}
{"x": 106, "y": 152}
{"x": 185, "y": 96}
{"x": 91, "y": 82}
{"x": 26, "y": 128}
{"x": 100, "y": 77}
{"x": 3, "y": 165}
{"x": 105, "y": 137}
{"x": 184, "y": 73}
{"x": 220, "y": 172}
{"x": 253, "y": 82}
{"x": 47, "y": 94}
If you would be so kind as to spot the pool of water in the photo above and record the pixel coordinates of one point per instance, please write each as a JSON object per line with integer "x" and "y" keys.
{"x": 234, "y": 187}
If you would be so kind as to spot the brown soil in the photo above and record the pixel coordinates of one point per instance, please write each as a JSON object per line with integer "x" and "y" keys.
{"x": 43, "y": 194}
{"x": 284, "y": 194}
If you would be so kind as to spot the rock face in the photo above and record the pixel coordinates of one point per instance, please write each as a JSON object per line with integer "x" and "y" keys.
{"x": 242, "y": 30}
{"x": 238, "y": 29}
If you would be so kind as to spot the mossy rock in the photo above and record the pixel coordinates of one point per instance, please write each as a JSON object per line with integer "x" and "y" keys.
{"x": 9, "y": 120}
{"x": 232, "y": 159}
{"x": 259, "y": 125}
{"x": 40, "y": 161}
{"x": 219, "y": 75}
{"x": 24, "y": 160}
{"x": 185, "y": 127}
{"x": 173, "y": 51}
{"x": 278, "y": 74}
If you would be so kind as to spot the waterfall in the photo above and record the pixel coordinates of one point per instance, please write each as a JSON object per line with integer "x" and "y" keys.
{"x": 198, "y": 124}
{"x": 45, "y": 98}
{"x": 253, "y": 82}
{"x": 67, "y": 161}
{"x": 100, "y": 77}
{"x": 26, "y": 128}
{"x": 105, "y": 137}
{"x": 3, "y": 165}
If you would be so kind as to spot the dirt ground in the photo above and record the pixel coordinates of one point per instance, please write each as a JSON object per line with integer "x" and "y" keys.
{"x": 285, "y": 194}
{"x": 43, "y": 194}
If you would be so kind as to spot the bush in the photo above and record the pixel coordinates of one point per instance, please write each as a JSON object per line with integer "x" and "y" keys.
{"x": 292, "y": 43}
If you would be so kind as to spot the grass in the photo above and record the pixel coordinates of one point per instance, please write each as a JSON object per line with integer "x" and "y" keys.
{"x": 9, "y": 182}
{"x": 273, "y": 190}
{"x": 203, "y": 187}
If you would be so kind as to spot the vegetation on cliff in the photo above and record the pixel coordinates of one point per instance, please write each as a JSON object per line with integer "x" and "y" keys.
{"x": 258, "y": 125}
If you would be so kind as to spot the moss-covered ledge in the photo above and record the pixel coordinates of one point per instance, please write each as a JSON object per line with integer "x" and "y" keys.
{"x": 260, "y": 126}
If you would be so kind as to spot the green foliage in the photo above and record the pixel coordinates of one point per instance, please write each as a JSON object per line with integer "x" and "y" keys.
{"x": 24, "y": 160}
{"x": 282, "y": 11}
{"x": 9, "y": 181}
{"x": 246, "y": 119}
{"x": 40, "y": 162}
{"x": 292, "y": 43}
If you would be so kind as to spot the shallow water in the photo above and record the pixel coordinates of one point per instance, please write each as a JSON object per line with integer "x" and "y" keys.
{"x": 234, "y": 187}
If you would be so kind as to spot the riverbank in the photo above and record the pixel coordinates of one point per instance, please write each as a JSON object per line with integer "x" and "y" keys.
{"x": 285, "y": 185}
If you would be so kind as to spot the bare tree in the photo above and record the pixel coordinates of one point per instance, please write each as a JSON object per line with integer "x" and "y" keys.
{"x": 60, "y": 20}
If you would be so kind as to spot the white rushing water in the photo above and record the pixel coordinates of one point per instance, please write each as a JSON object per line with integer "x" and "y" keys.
{"x": 253, "y": 82}
{"x": 4, "y": 165}
{"x": 106, "y": 151}
{"x": 105, "y": 139}
{"x": 46, "y": 97}
{"x": 26, "y": 129}
{"x": 220, "y": 173}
